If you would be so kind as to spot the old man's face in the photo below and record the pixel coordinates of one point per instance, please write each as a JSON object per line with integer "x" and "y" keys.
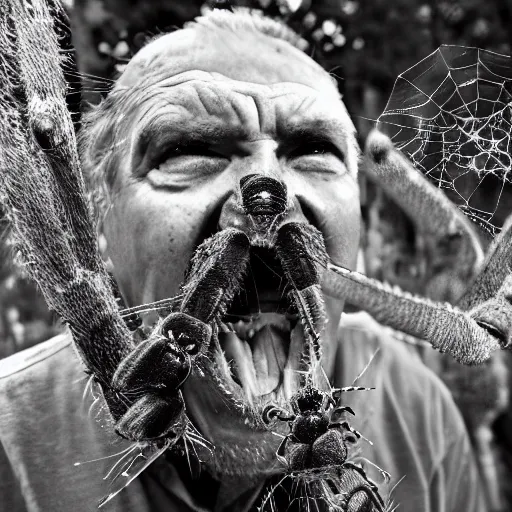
{"x": 201, "y": 109}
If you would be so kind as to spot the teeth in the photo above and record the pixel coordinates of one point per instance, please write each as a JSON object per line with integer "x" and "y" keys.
{"x": 269, "y": 359}
{"x": 258, "y": 355}
{"x": 247, "y": 330}
{"x": 274, "y": 319}
{"x": 240, "y": 352}
{"x": 291, "y": 376}
{"x": 240, "y": 329}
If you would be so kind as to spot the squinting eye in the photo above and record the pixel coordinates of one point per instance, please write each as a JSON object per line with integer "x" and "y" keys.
{"x": 195, "y": 149}
{"x": 315, "y": 148}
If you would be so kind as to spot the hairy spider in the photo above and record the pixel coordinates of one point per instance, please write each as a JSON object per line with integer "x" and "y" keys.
{"x": 320, "y": 441}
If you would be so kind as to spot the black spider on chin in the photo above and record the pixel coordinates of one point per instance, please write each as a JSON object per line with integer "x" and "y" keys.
{"x": 319, "y": 445}
{"x": 314, "y": 441}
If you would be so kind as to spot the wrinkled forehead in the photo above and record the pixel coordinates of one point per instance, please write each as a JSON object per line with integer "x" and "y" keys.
{"x": 173, "y": 71}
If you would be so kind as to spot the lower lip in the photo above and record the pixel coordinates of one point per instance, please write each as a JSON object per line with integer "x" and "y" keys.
{"x": 205, "y": 402}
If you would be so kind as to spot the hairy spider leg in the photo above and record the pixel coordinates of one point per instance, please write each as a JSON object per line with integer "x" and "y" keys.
{"x": 385, "y": 475}
{"x": 334, "y": 398}
{"x": 342, "y": 409}
{"x": 281, "y": 450}
{"x": 374, "y": 494}
{"x": 351, "y": 388}
{"x": 346, "y": 426}
{"x": 337, "y": 392}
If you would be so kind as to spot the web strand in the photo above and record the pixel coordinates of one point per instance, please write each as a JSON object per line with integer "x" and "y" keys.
{"x": 452, "y": 115}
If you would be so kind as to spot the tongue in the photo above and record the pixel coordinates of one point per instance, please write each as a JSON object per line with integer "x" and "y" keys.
{"x": 269, "y": 358}
{"x": 239, "y": 351}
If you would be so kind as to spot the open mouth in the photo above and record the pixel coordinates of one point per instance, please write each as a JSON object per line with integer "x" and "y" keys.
{"x": 261, "y": 338}
{"x": 266, "y": 309}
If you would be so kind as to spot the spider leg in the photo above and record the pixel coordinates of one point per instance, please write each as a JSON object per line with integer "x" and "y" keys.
{"x": 493, "y": 272}
{"x": 59, "y": 246}
{"x": 368, "y": 487}
{"x": 217, "y": 268}
{"x": 385, "y": 475}
{"x": 421, "y": 200}
{"x": 336, "y": 392}
{"x": 301, "y": 251}
{"x": 469, "y": 335}
{"x": 342, "y": 409}
{"x": 346, "y": 426}
{"x": 289, "y": 418}
{"x": 353, "y": 388}
{"x": 446, "y": 328}
{"x": 489, "y": 299}
{"x": 281, "y": 450}
{"x": 272, "y": 412}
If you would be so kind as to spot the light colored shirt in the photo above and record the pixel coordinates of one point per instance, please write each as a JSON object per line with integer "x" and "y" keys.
{"x": 47, "y": 426}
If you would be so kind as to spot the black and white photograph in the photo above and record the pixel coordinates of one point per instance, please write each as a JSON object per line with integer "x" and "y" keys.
{"x": 255, "y": 255}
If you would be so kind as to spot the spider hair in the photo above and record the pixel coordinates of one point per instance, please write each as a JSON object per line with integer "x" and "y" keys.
{"x": 102, "y": 130}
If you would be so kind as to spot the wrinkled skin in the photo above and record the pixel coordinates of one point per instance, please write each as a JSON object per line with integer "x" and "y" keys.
{"x": 245, "y": 96}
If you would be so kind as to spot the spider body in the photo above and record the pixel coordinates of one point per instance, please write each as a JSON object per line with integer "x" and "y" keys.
{"x": 311, "y": 420}
{"x": 309, "y": 427}
{"x": 318, "y": 444}
{"x": 262, "y": 195}
{"x": 315, "y": 441}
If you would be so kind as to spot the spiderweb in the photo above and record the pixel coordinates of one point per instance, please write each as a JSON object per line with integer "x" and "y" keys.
{"x": 452, "y": 115}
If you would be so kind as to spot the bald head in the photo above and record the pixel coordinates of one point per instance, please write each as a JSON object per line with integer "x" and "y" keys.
{"x": 242, "y": 46}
